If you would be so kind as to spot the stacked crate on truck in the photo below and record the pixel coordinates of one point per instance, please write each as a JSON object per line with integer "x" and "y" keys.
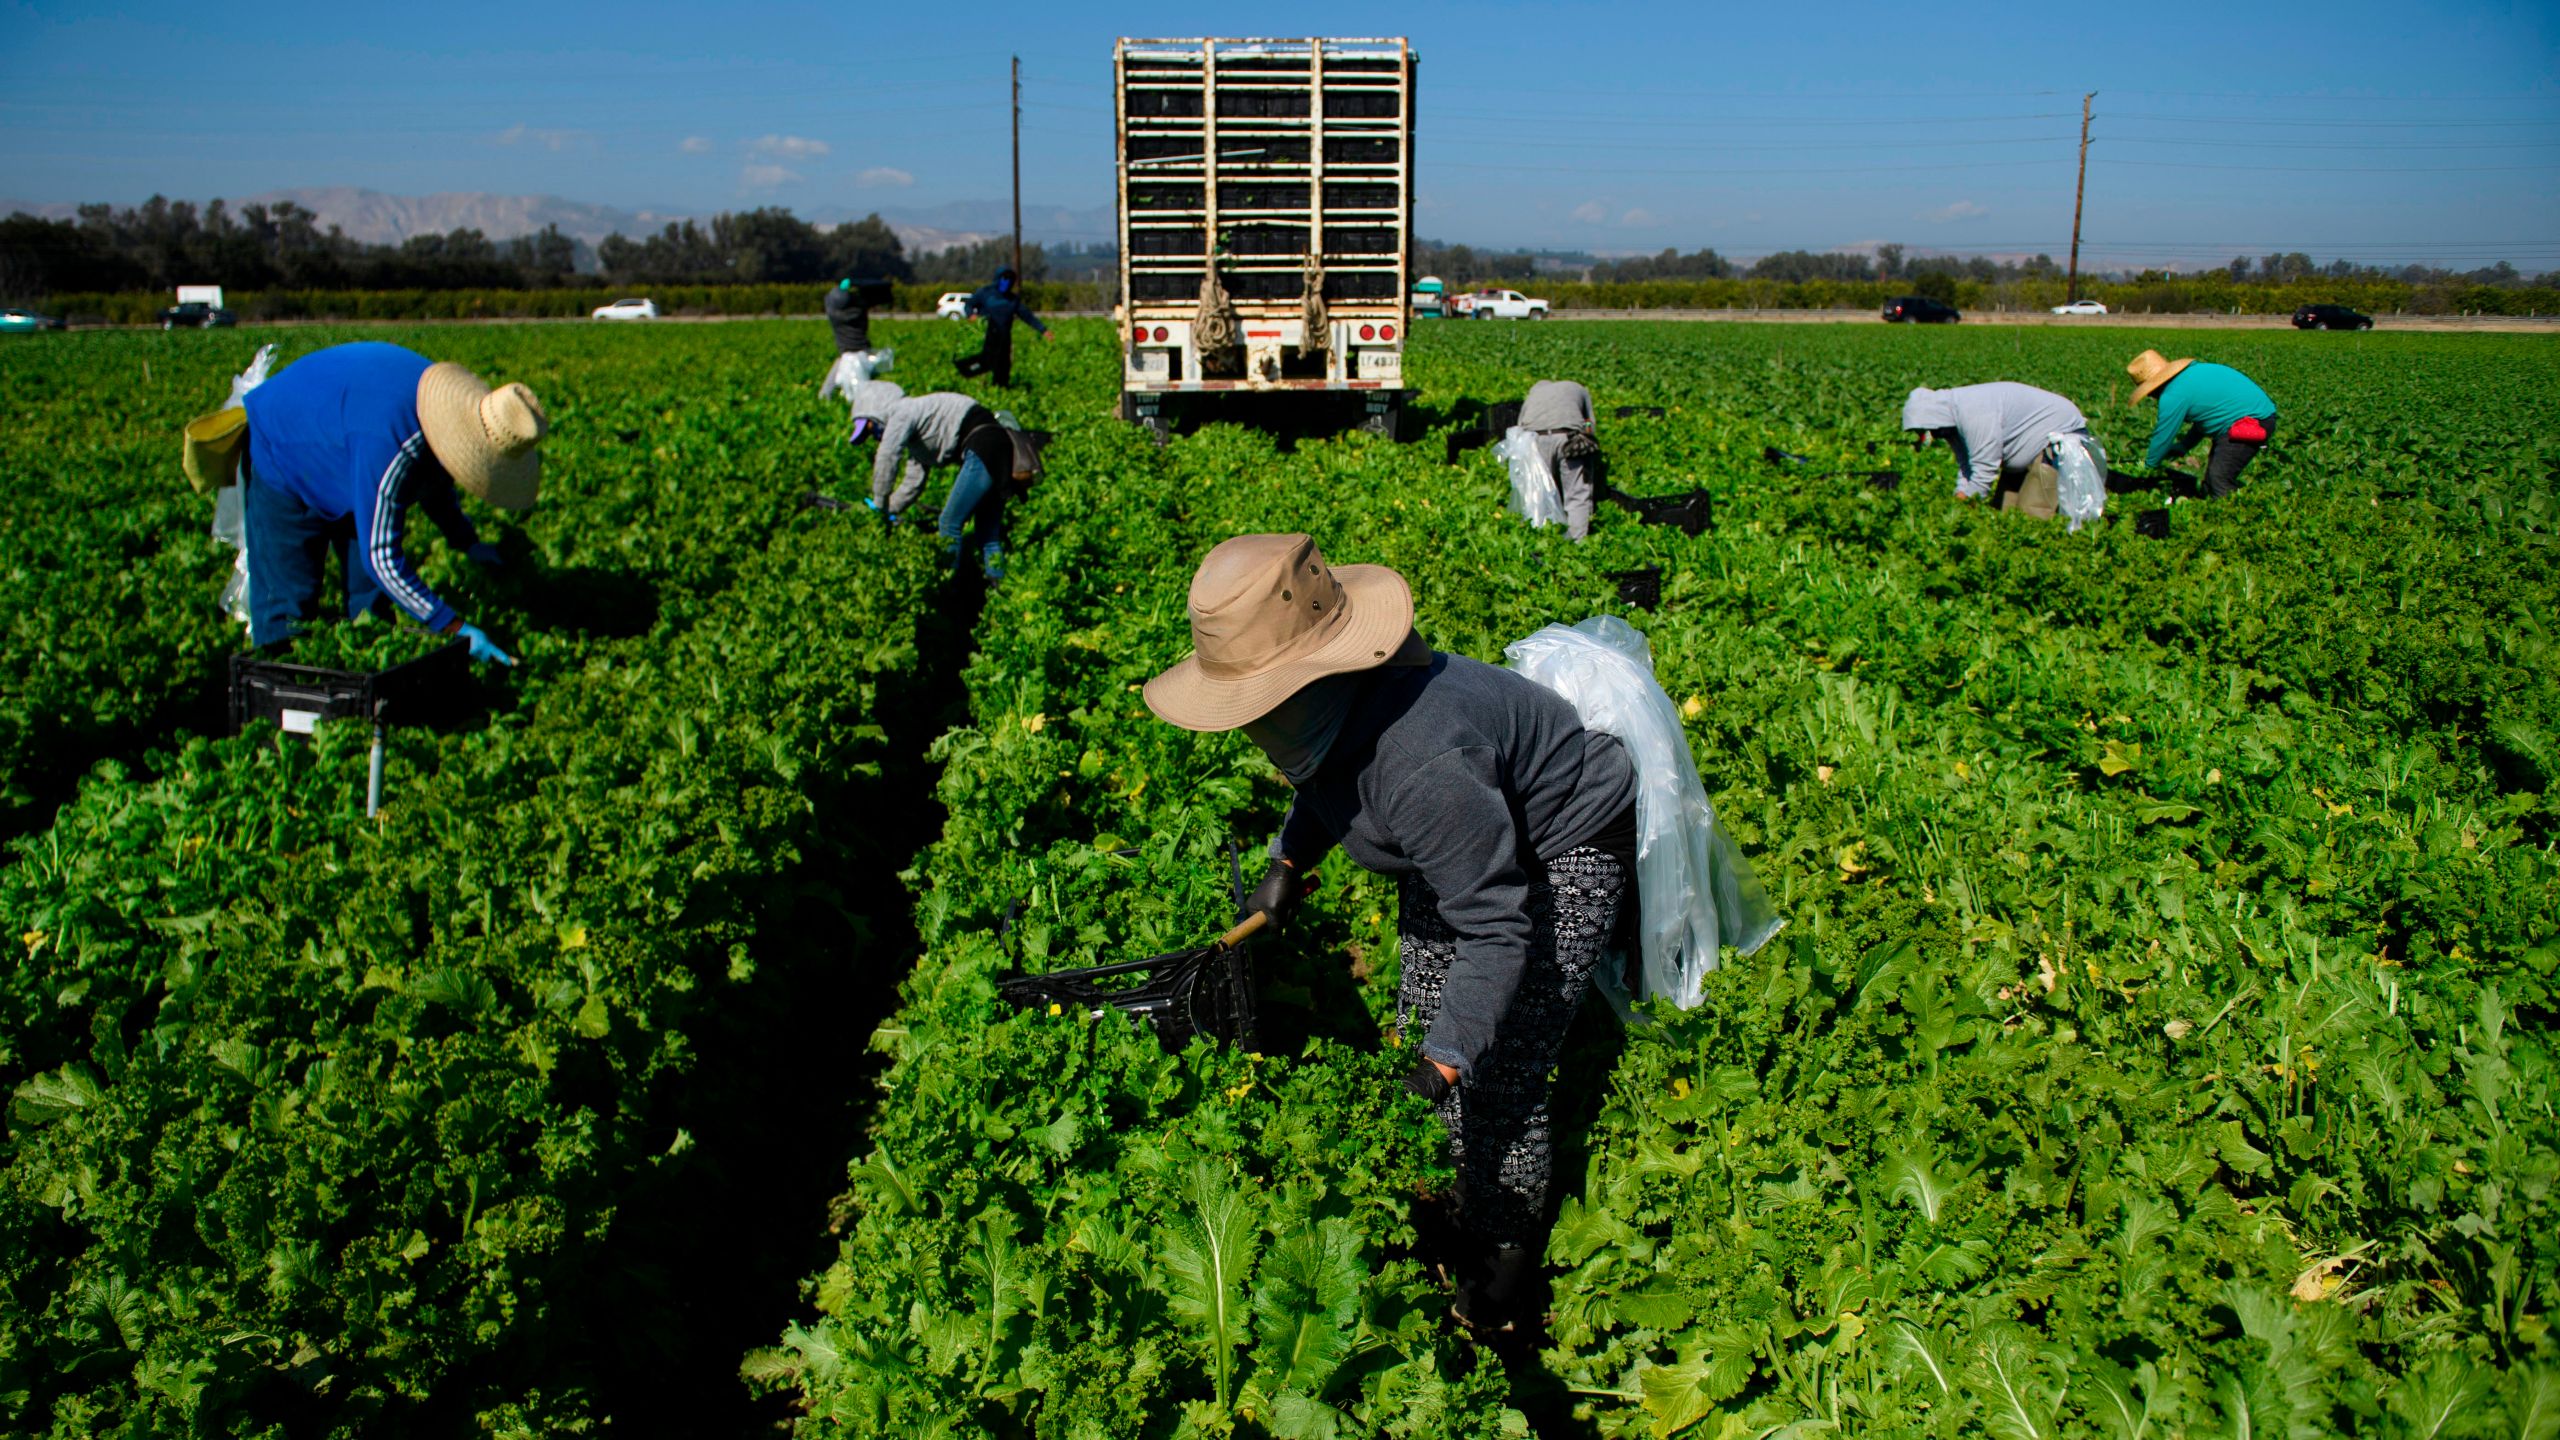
{"x": 1266, "y": 221}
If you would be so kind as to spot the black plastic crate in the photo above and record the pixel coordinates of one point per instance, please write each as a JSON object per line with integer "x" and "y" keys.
{"x": 1501, "y": 416}
{"x": 1208, "y": 991}
{"x": 429, "y": 690}
{"x": 1641, "y": 588}
{"x": 1631, "y": 412}
{"x": 1693, "y": 513}
{"x": 2153, "y": 523}
{"x": 877, "y": 294}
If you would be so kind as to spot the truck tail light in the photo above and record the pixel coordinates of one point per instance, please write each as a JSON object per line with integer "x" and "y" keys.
{"x": 1368, "y": 332}
{"x": 1386, "y": 332}
{"x": 1162, "y": 334}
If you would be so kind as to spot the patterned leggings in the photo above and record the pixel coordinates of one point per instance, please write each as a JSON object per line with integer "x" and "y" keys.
{"x": 1498, "y": 1120}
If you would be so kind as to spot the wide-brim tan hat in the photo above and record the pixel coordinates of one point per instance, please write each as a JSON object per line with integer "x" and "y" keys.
{"x": 1268, "y": 618}
{"x": 2150, "y": 372}
{"x": 489, "y": 441}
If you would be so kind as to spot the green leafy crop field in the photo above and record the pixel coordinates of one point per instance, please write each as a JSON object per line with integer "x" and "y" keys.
{"x": 2159, "y": 1045}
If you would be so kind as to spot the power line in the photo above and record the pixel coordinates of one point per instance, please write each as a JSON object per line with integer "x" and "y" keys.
{"x": 2338, "y": 169}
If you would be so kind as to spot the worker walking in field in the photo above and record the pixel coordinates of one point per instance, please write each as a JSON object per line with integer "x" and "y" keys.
{"x": 1000, "y": 302}
{"x": 2002, "y": 435}
{"x": 2198, "y": 399}
{"x": 856, "y": 363}
{"x": 342, "y": 445}
{"x": 1559, "y": 413}
{"x": 923, "y": 431}
{"x": 1509, "y": 827}
{"x": 849, "y": 316}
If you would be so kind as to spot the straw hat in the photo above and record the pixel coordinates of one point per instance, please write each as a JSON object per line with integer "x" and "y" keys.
{"x": 488, "y": 440}
{"x": 2150, "y": 372}
{"x": 1269, "y": 617}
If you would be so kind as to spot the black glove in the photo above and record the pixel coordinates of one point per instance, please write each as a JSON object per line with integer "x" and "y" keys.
{"x": 1427, "y": 1082}
{"x": 1278, "y": 894}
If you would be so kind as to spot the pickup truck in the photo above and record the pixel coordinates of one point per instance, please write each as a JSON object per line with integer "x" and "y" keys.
{"x": 1500, "y": 305}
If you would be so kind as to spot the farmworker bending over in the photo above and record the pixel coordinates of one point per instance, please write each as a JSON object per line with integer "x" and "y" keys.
{"x": 1001, "y": 303}
{"x": 2199, "y": 399}
{"x": 1510, "y": 830}
{"x": 938, "y": 429}
{"x": 1999, "y": 433}
{"x": 341, "y": 444}
{"x": 1559, "y": 411}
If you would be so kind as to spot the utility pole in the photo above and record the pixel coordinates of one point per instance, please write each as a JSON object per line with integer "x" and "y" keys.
{"x": 1017, "y": 165}
{"x": 2079, "y": 192}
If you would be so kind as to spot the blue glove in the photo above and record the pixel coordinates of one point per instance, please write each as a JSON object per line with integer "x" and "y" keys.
{"x": 484, "y": 553}
{"x": 482, "y": 647}
{"x": 891, "y": 517}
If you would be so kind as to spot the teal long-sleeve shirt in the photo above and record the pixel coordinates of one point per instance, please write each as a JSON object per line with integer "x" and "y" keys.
{"x": 2211, "y": 397}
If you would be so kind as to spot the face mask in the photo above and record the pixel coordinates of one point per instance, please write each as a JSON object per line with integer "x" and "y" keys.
{"x": 1298, "y": 732}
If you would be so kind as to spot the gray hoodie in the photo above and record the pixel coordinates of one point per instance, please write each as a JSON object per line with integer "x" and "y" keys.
{"x": 1466, "y": 777}
{"x": 1556, "y": 405}
{"x": 1999, "y": 426}
{"x": 925, "y": 429}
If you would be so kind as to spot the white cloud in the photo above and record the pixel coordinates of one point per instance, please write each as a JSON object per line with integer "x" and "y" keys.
{"x": 1591, "y": 212}
{"x": 554, "y": 141}
{"x": 787, "y": 147}
{"x": 695, "y": 145}
{"x": 1639, "y": 216}
{"x": 1960, "y": 210}
{"x": 766, "y": 177}
{"x": 883, "y": 175}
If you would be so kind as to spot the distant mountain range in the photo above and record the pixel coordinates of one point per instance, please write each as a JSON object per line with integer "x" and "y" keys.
{"x": 376, "y": 218}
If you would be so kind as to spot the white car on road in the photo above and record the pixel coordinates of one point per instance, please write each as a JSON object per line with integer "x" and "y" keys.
{"x": 954, "y": 305}
{"x": 2080, "y": 307}
{"x": 628, "y": 310}
{"x": 1500, "y": 305}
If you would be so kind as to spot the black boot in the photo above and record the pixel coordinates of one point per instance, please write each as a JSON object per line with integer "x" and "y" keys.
{"x": 1494, "y": 1298}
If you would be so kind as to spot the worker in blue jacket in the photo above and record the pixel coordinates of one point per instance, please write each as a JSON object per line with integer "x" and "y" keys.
{"x": 342, "y": 445}
{"x": 1002, "y": 304}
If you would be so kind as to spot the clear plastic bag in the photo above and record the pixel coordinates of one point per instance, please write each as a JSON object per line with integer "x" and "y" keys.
{"x": 1695, "y": 893}
{"x": 1533, "y": 484}
{"x": 2080, "y": 465}
{"x": 852, "y": 368}
{"x": 227, "y": 524}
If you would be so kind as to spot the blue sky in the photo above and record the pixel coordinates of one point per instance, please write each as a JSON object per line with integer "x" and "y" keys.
{"x": 2422, "y": 131}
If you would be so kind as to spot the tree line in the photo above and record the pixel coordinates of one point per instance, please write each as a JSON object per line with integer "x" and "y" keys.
{"x": 283, "y": 246}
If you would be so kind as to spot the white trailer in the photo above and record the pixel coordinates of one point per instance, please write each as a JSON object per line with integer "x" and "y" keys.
{"x": 1266, "y": 221}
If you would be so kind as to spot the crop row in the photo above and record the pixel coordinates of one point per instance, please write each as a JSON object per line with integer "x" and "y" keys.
{"x": 326, "y": 1125}
{"x": 2159, "y": 1041}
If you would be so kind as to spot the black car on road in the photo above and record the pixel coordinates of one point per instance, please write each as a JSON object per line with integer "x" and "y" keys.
{"x": 2331, "y": 317}
{"x": 1919, "y": 310}
{"x": 196, "y": 315}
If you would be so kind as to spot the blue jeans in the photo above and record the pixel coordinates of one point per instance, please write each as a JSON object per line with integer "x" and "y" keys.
{"x": 288, "y": 545}
{"x": 976, "y": 501}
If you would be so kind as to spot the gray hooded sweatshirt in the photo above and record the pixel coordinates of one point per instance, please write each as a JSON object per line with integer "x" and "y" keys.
{"x": 1466, "y": 777}
{"x": 925, "y": 429}
{"x": 1999, "y": 427}
{"x": 1556, "y": 405}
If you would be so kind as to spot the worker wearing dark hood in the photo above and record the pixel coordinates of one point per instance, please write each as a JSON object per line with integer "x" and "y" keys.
{"x": 849, "y": 317}
{"x": 1000, "y": 303}
{"x": 1510, "y": 829}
